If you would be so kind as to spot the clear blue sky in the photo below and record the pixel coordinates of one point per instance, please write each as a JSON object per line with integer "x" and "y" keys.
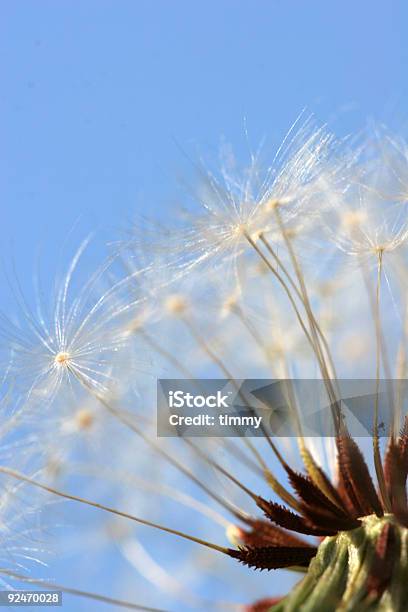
{"x": 96, "y": 96}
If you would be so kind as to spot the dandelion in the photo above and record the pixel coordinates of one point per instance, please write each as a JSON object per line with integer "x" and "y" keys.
{"x": 75, "y": 345}
{"x": 368, "y": 219}
{"x": 239, "y": 289}
{"x": 238, "y": 206}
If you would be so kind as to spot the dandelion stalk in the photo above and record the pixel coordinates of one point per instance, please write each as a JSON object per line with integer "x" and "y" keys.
{"x": 339, "y": 523}
{"x": 172, "y": 460}
{"x": 301, "y": 323}
{"x": 313, "y": 319}
{"x": 115, "y": 511}
{"x": 376, "y": 440}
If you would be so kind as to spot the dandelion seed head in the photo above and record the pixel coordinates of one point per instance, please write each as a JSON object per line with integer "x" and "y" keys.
{"x": 135, "y": 325}
{"x": 71, "y": 341}
{"x": 229, "y": 305}
{"x": 271, "y": 205}
{"x": 175, "y": 305}
{"x": 62, "y": 359}
{"x": 240, "y": 204}
{"x": 369, "y": 233}
{"x": 353, "y": 218}
{"x": 368, "y": 217}
{"x": 54, "y": 467}
{"x": 84, "y": 419}
{"x": 20, "y": 531}
{"x": 278, "y": 348}
{"x": 246, "y": 317}
{"x": 261, "y": 268}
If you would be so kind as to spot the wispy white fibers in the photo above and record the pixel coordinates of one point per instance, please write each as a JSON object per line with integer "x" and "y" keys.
{"x": 370, "y": 215}
{"x": 70, "y": 341}
{"x": 233, "y": 202}
{"x": 259, "y": 276}
{"x": 23, "y": 546}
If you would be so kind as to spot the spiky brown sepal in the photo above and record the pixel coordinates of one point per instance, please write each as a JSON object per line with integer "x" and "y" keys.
{"x": 290, "y": 520}
{"x": 264, "y": 533}
{"x": 396, "y": 472}
{"x": 274, "y": 557}
{"x": 353, "y": 497}
{"x": 362, "y": 562}
{"x": 361, "y": 570}
{"x": 359, "y": 489}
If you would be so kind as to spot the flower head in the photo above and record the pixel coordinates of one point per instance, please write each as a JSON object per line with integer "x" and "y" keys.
{"x": 237, "y": 205}
{"x": 370, "y": 217}
{"x": 76, "y": 344}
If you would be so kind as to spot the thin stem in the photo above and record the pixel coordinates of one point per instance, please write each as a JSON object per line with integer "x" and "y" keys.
{"x": 237, "y": 310}
{"x": 285, "y": 495}
{"x": 179, "y": 466}
{"x": 166, "y": 354}
{"x": 212, "y": 355}
{"x": 228, "y": 374}
{"x": 241, "y": 456}
{"x": 131, "y": 425}
{"x": 305, "y": 296}
{"x": 401, "y": 369}
{"x": 283, "y": 284}
{"x": 163, "y": 490}
{"x": 109, "y": 509}
{"x": 219, "y": 468}
{"x": 190, "y": 376}
{"x": 280, "y": 263}
{"x": 285, "y": 287}
{"x": 377, "y": 340}
{"x": 378, "y": 337}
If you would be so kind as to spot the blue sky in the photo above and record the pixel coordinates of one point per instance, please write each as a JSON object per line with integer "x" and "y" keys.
{"x": 99, "y": 98}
